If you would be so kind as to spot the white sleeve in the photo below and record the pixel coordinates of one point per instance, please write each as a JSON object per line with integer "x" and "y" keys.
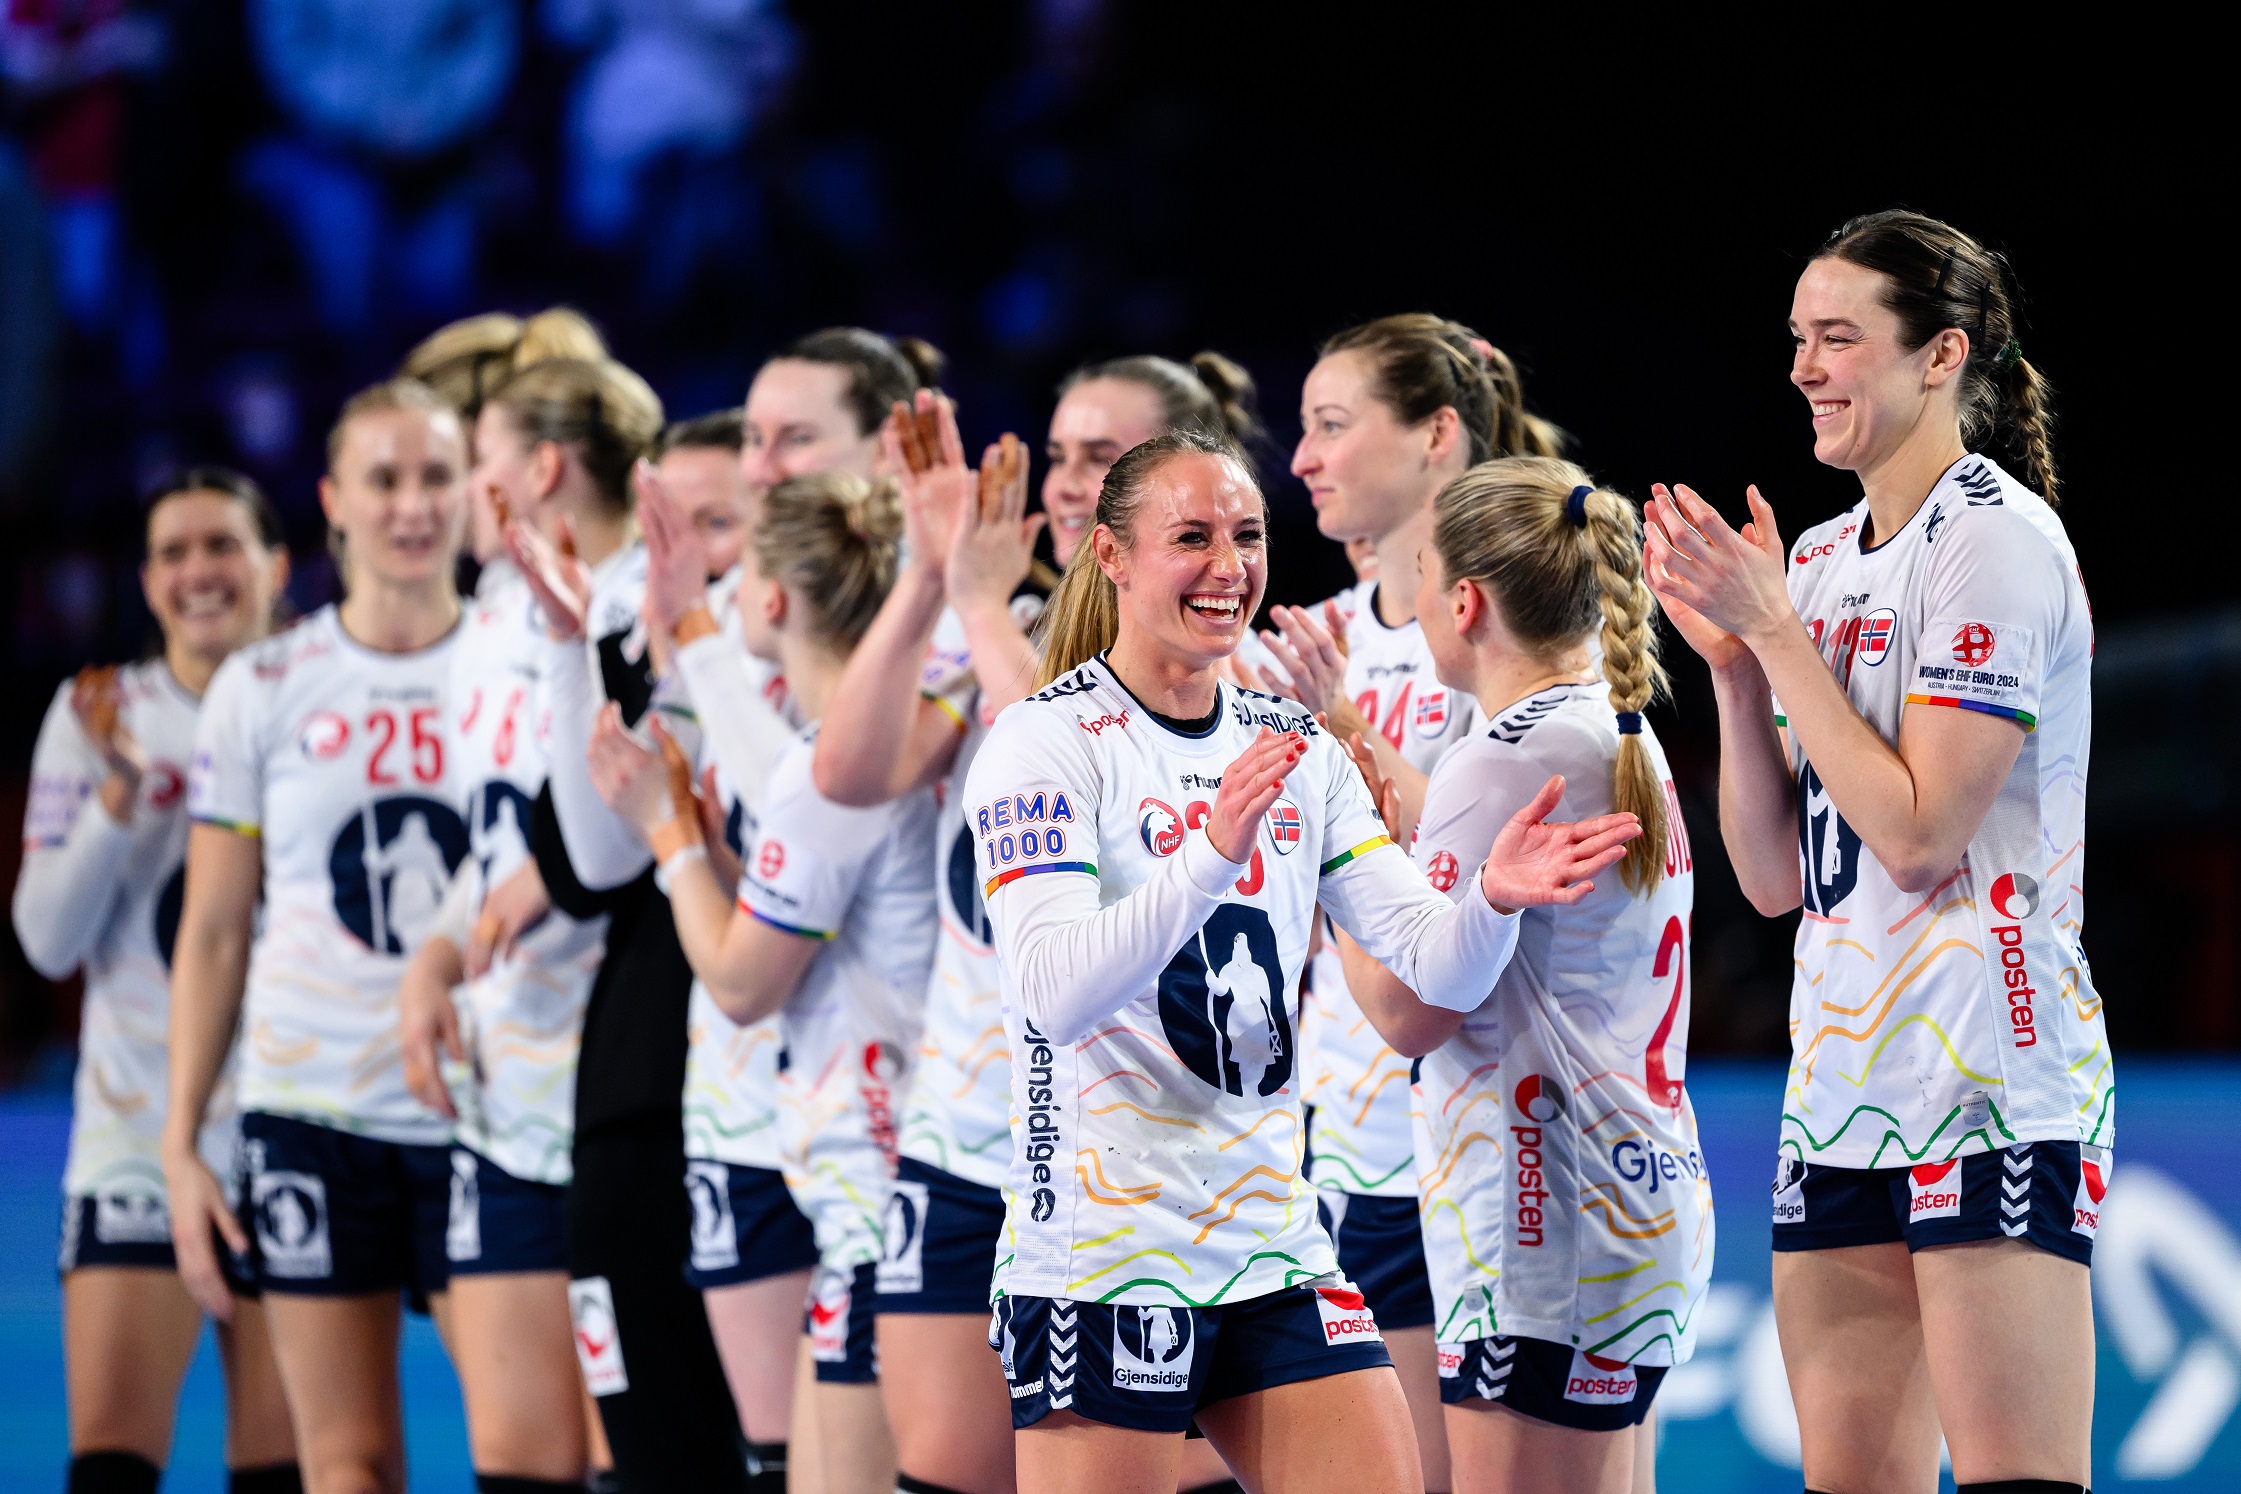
{"x": 809, "y": 857}
{"x": 739, "y": 730}
{"x": 603, "y": 848}
{"x": 1992, "y": 607}
{"x": 1050, "y": 929}
{"x": 1449, "y": 954}
{"x": 72, "y": 851}
{"x": 226, "y": 781}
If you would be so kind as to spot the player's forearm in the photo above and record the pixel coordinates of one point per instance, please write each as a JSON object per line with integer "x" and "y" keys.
{"x": 743, "y": 734}
{"x": 1073, "y": 963}
{"x": 1003, "y": 658}
{"x": 1758, "y": 801}
{"x": 602, "y": 847}
{"x": 1449, "y": 954}
{"x": 64, "y": 893}
{"x": 209, "y": 968}
{"x": 866, "y": 732}
{"x": 1409, "y": 1027}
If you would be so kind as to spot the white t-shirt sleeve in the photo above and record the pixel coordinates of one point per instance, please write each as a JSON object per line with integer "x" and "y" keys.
{"x": 1072, "y": 962}
{"x": 602, "y": 847}
{"x": 808, "y": 857}
{"x": 1449, "y": 954}
{"x": 226, "y": 784}
{"x": 739, "y": 729}
{"x": 72, "y": 851}
{"x": 1992, "y": 603}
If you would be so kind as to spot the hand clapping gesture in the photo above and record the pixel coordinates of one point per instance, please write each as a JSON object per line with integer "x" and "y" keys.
{"x": 1720, "y": 587}
{"x": 1536, "y": 862}
{"x": 94, "y": 698}
{"x": 557, "y": 579}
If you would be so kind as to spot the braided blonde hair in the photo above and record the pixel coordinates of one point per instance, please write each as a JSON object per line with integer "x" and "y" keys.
{"x": 1509, "y": 525}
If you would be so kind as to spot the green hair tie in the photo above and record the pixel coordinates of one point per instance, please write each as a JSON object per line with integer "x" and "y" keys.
{"x": 2011, "y": 354}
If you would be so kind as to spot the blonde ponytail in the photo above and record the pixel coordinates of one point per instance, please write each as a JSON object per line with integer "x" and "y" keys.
{"x": 1562, "y": 558}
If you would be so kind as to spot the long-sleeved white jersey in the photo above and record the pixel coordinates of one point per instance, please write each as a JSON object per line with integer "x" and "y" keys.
{"x": 1563, "y": 1193}
{"x": 338, "y": 758}
{"x": 1151, "y": 986}
{"x": 1924, "y": 1026}
{"x": 523, "y": 1018}
{"x": 95, "y": 894}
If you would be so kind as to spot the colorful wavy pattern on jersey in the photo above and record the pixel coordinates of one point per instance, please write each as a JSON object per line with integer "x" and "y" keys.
{"x": 1361, "y": 1133}
{"x": 1643, "y": 1258}
{"x": 524, "y": 1019}
{"x": 731, "y": 1087}
{"x": 1840, "y": 1050}
{"x": 958, "y": 1117}
{"x": 1216, "y": 1227}
{"x": 836, "y": 1133}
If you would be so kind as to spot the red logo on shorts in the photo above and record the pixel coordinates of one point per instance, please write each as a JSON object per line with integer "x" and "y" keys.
{"x": 1443, "y": 873}
{"x": 1973, "y": 645}
{"x": 2093, "y": 1186}
{"x": 1934, "y": 1191}
{"x": 770, "y": 860}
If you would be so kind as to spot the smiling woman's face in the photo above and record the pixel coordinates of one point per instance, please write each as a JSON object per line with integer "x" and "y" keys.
{"x": 1192, "y": 572}
{"x": 1094, "y": 423}
{"x": 1868, "y": 392}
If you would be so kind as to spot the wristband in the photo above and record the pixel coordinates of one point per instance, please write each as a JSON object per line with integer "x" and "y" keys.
{"x": 672, "y": 836}
{"x": 696, "y": 623}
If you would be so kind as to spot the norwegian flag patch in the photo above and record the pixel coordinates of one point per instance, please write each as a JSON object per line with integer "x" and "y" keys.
{"x": 1284, "y": 825}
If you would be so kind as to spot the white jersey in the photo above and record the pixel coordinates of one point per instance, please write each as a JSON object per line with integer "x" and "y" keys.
{"x": 1564, "y": 1195}
{"x": 861, "y": 879}
{"x": 731, "y": 1070}
{"x": 105, "y": 897}
{"x": 959, "y": 1114}
{"x": 1357, "y": 1084}
{"x": 522, "y": 1020}
{"x": 338, "y": 757}
{"x": 1157, "y": 1155}
{"x": 1962, "y": 1019}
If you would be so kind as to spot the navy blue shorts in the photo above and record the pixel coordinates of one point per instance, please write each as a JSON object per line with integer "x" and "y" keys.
{"x": 338, "y": 1215}
{"x": 745, "y": 1225}
{"x": 1554, "y": 1383}
{"x": 134, "y": 1230}
{"x": 940, "y": 1234}
{"x": 1381, "y": 1249}
{"x": 2046, "y": 1192}
{"x": 500, "y": 1223}
{"x": 839, "y": 1325}
{"x": 1154, "y": 1368}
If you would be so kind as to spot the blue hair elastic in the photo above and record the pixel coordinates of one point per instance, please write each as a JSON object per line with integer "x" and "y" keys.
{"x": 1575, "y": 507}
{"x": 1630, "y": 723}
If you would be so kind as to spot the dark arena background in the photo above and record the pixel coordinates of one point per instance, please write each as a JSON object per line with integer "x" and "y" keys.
{"x": 218, "y": 220}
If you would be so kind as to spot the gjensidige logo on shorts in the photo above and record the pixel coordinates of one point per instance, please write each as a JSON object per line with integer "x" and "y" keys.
{"x": 1596, "y": 1381}
{"x": 1152, "y": 1348}
{"x": 1934, "y": 1191}
{"x": 1538, "y": 1099}
{"x": 2015, "y": 896}
{"x": 1789, "y": 1191}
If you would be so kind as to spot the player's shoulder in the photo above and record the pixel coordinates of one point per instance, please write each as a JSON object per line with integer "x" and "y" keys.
{"x": 1979, "y": 505}
{"x": 306, "y": 648}
{"x": 618, "y": 586}
{"x": 1257, "y": 708}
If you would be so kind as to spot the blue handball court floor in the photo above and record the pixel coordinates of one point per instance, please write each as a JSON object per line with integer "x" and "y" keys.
{"x": 2167, "y": 1296}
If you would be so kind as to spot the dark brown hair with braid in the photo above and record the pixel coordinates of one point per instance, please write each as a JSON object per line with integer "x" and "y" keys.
{"x": 1935, "y": 277}
{"x": 1562, "y": 558}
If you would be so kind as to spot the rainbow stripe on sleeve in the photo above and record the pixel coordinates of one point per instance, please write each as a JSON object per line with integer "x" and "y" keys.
{"x": 945, "y": 707}
{"x": 236, "y": 826}
{"x": 787, "y": 928}
{"x": 2009, "y": 713}
{"x": 1357, "y": 853}
{"x": 1090, "y": 867}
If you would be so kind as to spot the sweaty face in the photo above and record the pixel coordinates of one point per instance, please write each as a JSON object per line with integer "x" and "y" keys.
{"x": 209, "y": 579}
{"x": 1867, "y": 392}
{"x": 1366, "y": 472}
{"x": 1193, "y": 573}
{"x": 1094, "y": 423}
{"x": 398, "y": 495}
{"x": 708, "y": 483}
{"x": 798, "y": 421}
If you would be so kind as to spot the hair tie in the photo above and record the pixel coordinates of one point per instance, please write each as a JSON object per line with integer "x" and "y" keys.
{"x": 2010, "y": 354}
{"x": 1575, "y": 507}
{"x": 1482, "y": 347}
{"x": 1630, "y": 723}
